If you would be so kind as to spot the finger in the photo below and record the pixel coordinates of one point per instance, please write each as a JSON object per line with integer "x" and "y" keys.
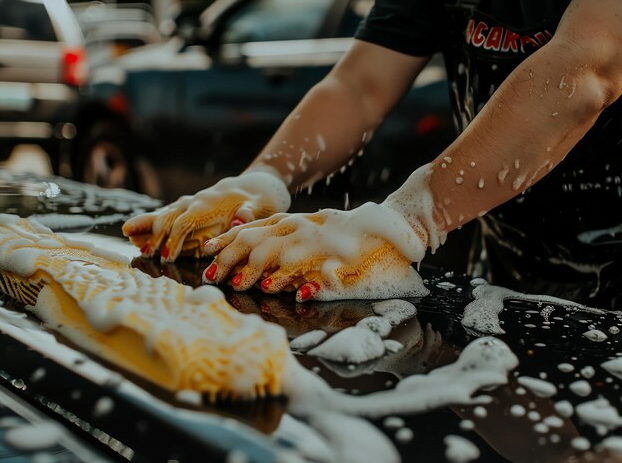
{"x": 186, "y": 224}
{"x": 139, "y": 241}
{"x": 265, "y": 259}
{"x": 246, "y": 213}
{"x": 280, "y": 280}
{"x": 213, "y": 246}
{"x": 236, "y": 221}
{"x": 227, "y": 260}
{"x": 140, "y": 225}
{"x": 309, "y": 291}
{"x": 160, "y": 230}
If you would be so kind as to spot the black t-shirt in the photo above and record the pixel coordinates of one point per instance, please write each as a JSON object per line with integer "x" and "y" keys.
{"x": 563, "y": 236}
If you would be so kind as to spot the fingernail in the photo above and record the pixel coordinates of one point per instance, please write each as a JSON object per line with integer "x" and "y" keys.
{"x": 308, "y": 290}
{"x": 210, "y": 244}
{"x": 144, "y": 248}
{"x": 304, "y": 292}
{"x": 237, "y": 221}
{"x": 237, "y": 279}
{"x": 210, "y": 272}
{"x": 165, "y": 252}
{"x": 265, "y": 284}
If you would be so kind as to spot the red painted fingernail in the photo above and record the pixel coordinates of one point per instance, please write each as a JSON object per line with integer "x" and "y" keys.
{"x": 237, "y": 221}
{"x": 235, "y": 302}
{"x": 210, "y": 272}
{"x": 308, "y": 290}
{"x": 237, "y": 279}
{"x": 165, "y": 252}
{"x": 145, "y": 248}
{"x": 304, "y": 292}
{"x": 265, "y": 284}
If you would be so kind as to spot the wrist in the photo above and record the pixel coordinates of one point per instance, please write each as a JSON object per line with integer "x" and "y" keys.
{"x": 266, "y": 185}
{"x": 415, "y": 202}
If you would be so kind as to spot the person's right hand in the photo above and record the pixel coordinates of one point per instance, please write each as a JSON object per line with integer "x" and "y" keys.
{"x": 184, "y": 225}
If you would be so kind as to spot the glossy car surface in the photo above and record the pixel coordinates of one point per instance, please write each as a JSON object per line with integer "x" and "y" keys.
{"x": 201, "y": 106}
{"x": 560, "y": 403}
{"x": 42, "y": 66}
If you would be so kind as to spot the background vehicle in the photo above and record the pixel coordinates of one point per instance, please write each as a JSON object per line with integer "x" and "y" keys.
{"x": 42, "y": 66}
{"x": 110, "y": 30}
{"x": 201, "y": 105}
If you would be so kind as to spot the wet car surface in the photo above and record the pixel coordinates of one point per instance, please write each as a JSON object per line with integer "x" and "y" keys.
{"x": 559, "y": 405}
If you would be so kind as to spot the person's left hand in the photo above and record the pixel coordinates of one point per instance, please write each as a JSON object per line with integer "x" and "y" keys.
{"x": 365, "y": 253}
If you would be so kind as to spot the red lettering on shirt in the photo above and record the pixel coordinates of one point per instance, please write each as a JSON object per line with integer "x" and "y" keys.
{"x": 478, "y": 36}
{"x": 493, "y": 41}
{"x": 498, "y": 38}
{"x": 542, "y": 38}
{"x": 526, "y": 40}
{"x": 469, "y": 30}
{"x": 510, "y": 41}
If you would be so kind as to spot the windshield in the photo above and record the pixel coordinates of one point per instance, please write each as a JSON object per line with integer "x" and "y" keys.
{"x": 23, "y": 20}
{"x": 268, "y": 20}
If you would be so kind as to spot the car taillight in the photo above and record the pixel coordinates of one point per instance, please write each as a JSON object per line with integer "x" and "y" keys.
{"x": 118, "y": 103}
{"x": 75, "y": 67}
{"x": 428, "y": 124}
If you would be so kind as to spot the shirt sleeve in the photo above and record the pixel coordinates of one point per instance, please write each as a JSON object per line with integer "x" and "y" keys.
{"x": 413, "y": 27}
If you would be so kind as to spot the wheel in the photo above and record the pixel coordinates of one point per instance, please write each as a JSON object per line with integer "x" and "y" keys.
{"x": 103, "y": 158}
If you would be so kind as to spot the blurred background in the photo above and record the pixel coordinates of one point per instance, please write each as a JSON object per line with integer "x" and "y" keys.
{"x": 165, "y": 97}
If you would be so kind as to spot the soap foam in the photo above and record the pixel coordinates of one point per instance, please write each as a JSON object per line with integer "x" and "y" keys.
{"x": 481, "y": 316}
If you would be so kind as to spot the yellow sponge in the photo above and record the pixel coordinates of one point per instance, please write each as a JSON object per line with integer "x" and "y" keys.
{"x": 174, "y": 336}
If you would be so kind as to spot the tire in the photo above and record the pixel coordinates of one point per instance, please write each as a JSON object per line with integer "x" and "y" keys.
{"x": 103, "y": 158}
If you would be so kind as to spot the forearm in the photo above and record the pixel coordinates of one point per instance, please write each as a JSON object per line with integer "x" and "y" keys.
{"x": 529, "y": 125}
{"x": 329, "y": 126}
{"x": 338, "y": 116}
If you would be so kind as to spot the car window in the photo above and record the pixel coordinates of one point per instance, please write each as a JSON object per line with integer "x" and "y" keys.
{"x": 25, "y": 20}
{"x": 268, "y": 20}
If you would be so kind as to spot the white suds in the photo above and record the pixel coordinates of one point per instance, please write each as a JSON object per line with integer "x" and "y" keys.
{"x": 415, "y": 202}
{"x": 565, "y": 367}
{"x": 564, "y": 408}
{"x": 580, "y": 443}
{"x": 481, "y": 316}
{"x": 355, "y": 344}
{"x": 517, "y": 410}
{"x": 538, "y": 387}
{"x": 581, "y": 388}
{"x": 485, "y": 362}
{"x": 595, "y": 335}
{"x": 31, "y": 437}
{"x": 613, "y": 366}
{"x": 613, "y": 444}
{"x": 308, "y": 340}
{"x": 364, "y": 341}
{"x": 460, "y": 450}
{"x": 395, "y": 311}
{"x": 600, "y": 414}
{"x": 404, "y": 435}
{"x": 393, "y": 422}
{"x": 103, "y": 406}
{"x": 189, "y": 396}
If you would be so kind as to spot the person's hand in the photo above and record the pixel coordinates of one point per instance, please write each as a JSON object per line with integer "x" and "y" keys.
{"x": 365, "y": 253}
{"x": 183, "y": 226}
